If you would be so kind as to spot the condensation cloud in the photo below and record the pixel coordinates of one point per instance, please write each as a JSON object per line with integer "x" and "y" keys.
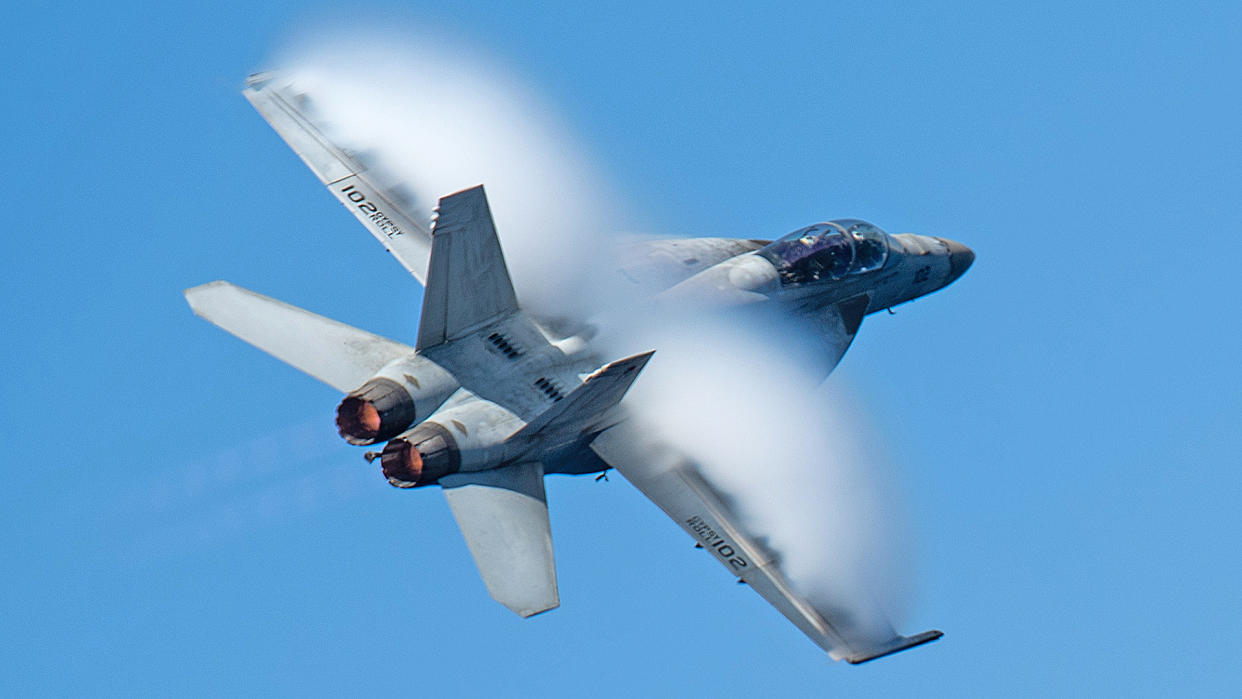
{"x": 439, "y": 117}
{"x": 798, "y": 463}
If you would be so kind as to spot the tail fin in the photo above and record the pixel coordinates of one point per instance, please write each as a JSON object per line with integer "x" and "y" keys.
{"x": 468, "y": 284}
{"x": 337, "y": 354}
{"x": 586, "y": 404}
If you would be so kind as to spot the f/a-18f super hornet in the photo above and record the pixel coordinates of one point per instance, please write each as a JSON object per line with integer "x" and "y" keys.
{"x": 491, "y": 398}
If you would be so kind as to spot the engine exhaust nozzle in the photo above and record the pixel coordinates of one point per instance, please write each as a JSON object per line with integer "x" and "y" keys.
{"x": 421, "y": 457}
{"x": 379, "y": 410}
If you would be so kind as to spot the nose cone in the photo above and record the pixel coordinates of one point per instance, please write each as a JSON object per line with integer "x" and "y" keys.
{"x": 960, "y": 259}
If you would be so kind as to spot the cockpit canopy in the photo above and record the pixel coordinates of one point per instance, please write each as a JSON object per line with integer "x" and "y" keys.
{"x": 826, "y": 251}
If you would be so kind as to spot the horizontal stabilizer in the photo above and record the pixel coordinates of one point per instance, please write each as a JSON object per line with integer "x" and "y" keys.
{"x": 468, "y": 284}
{"x": 503, "y": 515}
{"x": 583, "y": 407}
{"x": 896, "y": 645}
{"x": 337, "y": 354}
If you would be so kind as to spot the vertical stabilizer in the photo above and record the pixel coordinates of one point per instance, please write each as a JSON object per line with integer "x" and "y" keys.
{"x": 468, "y": 284}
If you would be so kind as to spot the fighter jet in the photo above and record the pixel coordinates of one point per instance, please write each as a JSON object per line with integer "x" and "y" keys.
{"x": 491, "y": 397}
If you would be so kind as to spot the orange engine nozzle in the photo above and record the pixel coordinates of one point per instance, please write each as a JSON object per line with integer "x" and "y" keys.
{"x": 402, "y": 464}
{"x": 381, "y": 409}
{"x": 422, "y": 457}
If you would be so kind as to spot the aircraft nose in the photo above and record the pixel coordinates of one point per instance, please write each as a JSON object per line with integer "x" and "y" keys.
{"x": 960, "y": 259}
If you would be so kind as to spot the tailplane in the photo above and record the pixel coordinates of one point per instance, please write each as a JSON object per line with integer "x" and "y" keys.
{"x": 503, "y": 516}
{"x": 588, "y": 404}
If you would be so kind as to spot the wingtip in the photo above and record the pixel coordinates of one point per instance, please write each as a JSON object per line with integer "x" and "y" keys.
{"x": 255, "y": 81}
{"x": 193, "y": 291}
{"x": 896, "y": 645}
{"x": 207, "y": 285}
{"x": 528, "y": 613}
{"x": 640, "y": 360}
{"x": 204, "y": 299}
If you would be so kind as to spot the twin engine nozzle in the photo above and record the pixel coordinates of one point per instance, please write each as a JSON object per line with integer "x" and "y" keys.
{"x": 404, "y": 391}
{"x": 431, "y": 435}
{"x": 381, "y": 409}
{"x": 402, "y": 404}
{"x": 468, "y": 436}
{"x": 428, "y": 453}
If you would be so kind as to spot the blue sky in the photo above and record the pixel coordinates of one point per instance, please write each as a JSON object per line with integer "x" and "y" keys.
{"x": 178, "y": 515}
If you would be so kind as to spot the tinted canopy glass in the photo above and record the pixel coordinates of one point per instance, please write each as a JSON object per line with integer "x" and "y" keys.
{"x": 827, "y": 251}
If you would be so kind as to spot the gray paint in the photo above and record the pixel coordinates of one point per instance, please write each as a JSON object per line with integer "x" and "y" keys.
{"x": 468, "y": 284}
{"x": 503, "y": 516}
{"x": 522, "y": 401}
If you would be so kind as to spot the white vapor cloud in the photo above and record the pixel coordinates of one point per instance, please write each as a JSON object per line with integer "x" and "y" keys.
{"x": 437, "y": 117}
{"x": 797, "y": 463}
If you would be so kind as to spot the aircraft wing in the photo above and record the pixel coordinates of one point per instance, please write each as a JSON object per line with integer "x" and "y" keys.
{"x": 384, "y": 210}
{"x": 337, "y": 354}
{"x": 672, "y": 482}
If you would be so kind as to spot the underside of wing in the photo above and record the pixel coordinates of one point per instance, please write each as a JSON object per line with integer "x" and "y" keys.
{"x": 382, "y": 207}
{"x": 337, "y": 354}
{"x": 503, "y": 515}
{"x": 673, "y": 483}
